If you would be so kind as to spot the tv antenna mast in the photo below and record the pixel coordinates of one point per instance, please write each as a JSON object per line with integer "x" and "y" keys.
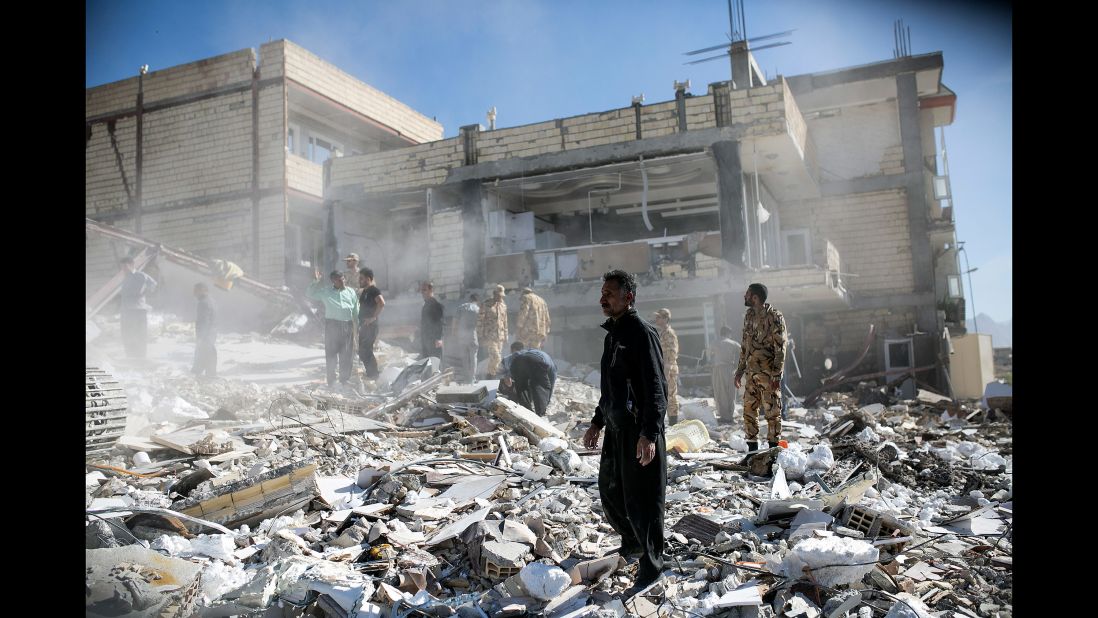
{"x": 739, "y": 46}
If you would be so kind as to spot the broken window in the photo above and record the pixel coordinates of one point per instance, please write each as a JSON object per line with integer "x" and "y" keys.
{"x": 954, "y": 286}
{"x": 797, "y": 246}
{"x": 899, "y": 354}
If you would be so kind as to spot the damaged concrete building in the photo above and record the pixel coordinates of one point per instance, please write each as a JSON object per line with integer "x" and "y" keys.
{"x": 822, "y": 186}
{"x": 827, "y": 187}
{"x": 223, "y": 156}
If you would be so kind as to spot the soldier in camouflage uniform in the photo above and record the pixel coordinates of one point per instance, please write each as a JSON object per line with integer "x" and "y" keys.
{"x": 762, "y": 360}
{"x": 492, "y": 328}
{"x": 669, "y": 342}
{"x": 533, "y": 319}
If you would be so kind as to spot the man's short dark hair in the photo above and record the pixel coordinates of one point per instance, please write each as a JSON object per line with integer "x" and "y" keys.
{"x": 334, "y": 274}
{"x": 516, "y": 346}
{"x": 726, "y": 331}
{"x": 474, "y": 298}
{"x": 201, "y": 286}
{"x": 366, "y": 272}
{"x": 626, "y": 281}
{"x": 759, "y": 290}
{"x": 427, "y": 284}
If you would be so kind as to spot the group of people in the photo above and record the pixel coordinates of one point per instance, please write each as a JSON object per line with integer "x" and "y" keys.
{"x": 351, "y": 313}
{"x": 639, "y": 370}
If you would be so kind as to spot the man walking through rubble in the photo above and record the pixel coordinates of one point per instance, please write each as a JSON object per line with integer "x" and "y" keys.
{"x": 633, "y": 466}
{"x": 492, "y": 328}
{"x": 134, "y": 315}
{"x": 205, "y": 334}
{"x": 725, "y": 357}
{"x": 371, "y": 303}
{"x": 530, "y": 375}
{"x": 430, "y": 322}
{"x": 464, "y": 333}
{"x": 669, "y": 343}
{"x": 762, "y": 360}
{"x": 533, "y": 319}
{"x": 340, "y": 313}
{"x": 350, "y": 279}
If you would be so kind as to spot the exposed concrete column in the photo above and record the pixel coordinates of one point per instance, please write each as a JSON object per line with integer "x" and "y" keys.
{"x": 474, "y": 227}
{"x": 469, "y": 135}
{"x": 907, "y": 98}
{"x": 726, "y": 154}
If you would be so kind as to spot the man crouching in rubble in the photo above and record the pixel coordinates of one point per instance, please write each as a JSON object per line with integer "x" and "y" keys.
{"x": 633, "y": 468}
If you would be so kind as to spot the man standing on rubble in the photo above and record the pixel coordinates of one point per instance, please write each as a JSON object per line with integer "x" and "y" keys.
{"x": 205, "y": 334}
{"x": 134, "y": 314}
{"x": 669, "y": 344}
{"x": 350, "y": 279}
{"x": 633, "y": 467}
{"x": 533, "y": 319}
{"x": 530, "y": 375}
{"x": 762, "y": 360}
{"x": 430, "y": 322}
{"x": 464, "y": 333}
{"x": 340, "y": 314}
{"x": 492, "y": 328}
{"x": 371, "y": 303}
{"x": 725, "y": 357}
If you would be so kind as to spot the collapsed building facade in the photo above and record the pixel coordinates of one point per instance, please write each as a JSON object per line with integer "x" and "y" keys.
{"x": 827, "y": 187}
{"x": 822, "y": 186}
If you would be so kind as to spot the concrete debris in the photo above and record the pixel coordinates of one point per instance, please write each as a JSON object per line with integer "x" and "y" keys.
{"x": 229, "y": 496}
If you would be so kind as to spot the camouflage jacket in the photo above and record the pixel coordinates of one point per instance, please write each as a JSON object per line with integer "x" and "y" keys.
{"x": 764, "y": 341}
{"x": 533, "y": 318}
{"x": 669, "y": 342}
{"x": 492, "y": 321}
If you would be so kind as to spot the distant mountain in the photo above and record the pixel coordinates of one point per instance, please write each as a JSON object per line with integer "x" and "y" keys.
{"x": 1000, "y": 331}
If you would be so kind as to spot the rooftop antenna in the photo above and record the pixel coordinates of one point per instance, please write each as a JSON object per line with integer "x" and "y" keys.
{"x": 737, "y": 38}
{"x": 901, "y": 37}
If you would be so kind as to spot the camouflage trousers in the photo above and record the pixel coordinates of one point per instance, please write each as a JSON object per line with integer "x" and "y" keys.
{"x": 672, "y": 395}
{"x": 531, "y": 339}
{"x": 494, "y": 358}
{"x": 759, "y": 396}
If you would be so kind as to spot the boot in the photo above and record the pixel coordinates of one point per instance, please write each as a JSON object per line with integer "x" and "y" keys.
{"x": 772, "y": 444}
{"x": 752, "y": 445}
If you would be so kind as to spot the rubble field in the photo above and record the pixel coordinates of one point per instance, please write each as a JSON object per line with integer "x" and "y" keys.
{"x": 415, "y": 496}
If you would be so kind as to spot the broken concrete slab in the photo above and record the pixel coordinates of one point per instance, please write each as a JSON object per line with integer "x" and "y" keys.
{"x": 524, "y": 421}
{"x": 250, "y": 501}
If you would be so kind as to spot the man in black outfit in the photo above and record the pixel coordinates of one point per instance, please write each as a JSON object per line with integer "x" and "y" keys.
{"x": 530, "y": 374}
{"x": 430, "y": 322}
{"x": 370, "y": 303}
{"x": 633, "y": 468}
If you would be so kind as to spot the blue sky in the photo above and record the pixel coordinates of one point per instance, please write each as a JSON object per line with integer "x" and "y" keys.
{"x": 537, "y": 60}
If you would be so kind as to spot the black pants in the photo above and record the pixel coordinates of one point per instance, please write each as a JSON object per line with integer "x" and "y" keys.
{"x": 135, "y": 326}
{"x": 205, "y": 357}
{"x": 367, "y": 336}
{"x": 633, "y": 495}
{"x": 532, "y": 384}
{"x": 337, "y": 345}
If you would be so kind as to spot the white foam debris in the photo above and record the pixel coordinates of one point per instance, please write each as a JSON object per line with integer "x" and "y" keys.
{"x": 543, "y": 581}
{"x": 857, "y": 558}
{"x": 793, "y": 460}
{"x": 821, "y": 458}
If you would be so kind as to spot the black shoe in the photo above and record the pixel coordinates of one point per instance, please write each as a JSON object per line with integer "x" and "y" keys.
{"x": 773, "y": 444}
{"x": 640, "y": 585}
{"x": 752, "y": 445}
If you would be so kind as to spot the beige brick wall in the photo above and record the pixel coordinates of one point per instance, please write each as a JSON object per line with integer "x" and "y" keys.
{"x": 209, "y": 74}
{"x": 309, "y": 70}
{"x": 415, "y": 166}
{"x": 198, "y": 149}
{"x": 447, "y": 247}
{"x": 870, "y": 232}
{"x": 701, "y": 112}
{"x": 847, "y": 330}
{"x": 304, "y": 175}
{"x": 659, "y": 119}
{"x": 112, "y": 97}
{"x": 616, "y": 125}
{"x": 104, "y": 191}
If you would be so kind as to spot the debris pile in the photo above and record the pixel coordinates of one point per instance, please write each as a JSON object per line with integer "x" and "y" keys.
{"x": 413, "y": 495}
